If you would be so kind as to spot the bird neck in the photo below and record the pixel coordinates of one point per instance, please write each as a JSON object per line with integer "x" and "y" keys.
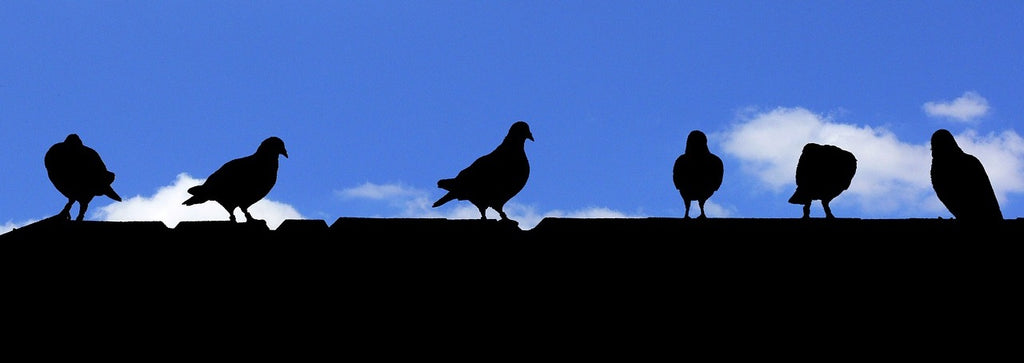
{"x": 512, "y": 142}
{"x": 697, "y": 149}
{"x": 263, "y": 154}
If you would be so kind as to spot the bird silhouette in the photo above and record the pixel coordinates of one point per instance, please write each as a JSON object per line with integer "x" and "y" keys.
{"x": 492, "y": 179}
{"x": 960, "y": 181}
{"x": 697, "y": 173}
{"x": 78, "y": 172}
{"x": 822, "y": 173}
{"x": 241, "y": 182}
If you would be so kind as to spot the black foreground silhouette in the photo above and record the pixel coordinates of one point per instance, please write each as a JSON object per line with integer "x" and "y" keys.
{"x": 78, "y": 172}
{"x": 822, "y": 173}
{"x": 492, "y": 179}
{"x": 960, "y": 181}
{"x": 242, "y": 182}
{"x": 697, "y": 173}
{"x": 598, "y": 280}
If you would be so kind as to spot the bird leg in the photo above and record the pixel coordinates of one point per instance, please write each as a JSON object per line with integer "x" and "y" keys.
{"x": 65, "y": 213}
{"x": 505, "y": 218}
{"x": 248, "y": 217}
{"x": 483, "y": 212}
{"x": 83, "y": 205}
{"x": 807, "y": 210}
{"x": 828, "y": 211}
{"x": 686, "y": 214}
{"x": 701, "y": 204}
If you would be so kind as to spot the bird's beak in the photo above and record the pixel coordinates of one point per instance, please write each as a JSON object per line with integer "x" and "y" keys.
{"x": 284, "y": 152}
{"x": 530, "y": 136}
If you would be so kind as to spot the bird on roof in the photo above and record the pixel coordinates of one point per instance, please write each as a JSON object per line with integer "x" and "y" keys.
{"x": 78, "y": 172}
{"x": 960, "y": 181}
{"x": 822, "y": 173}
{"x": 241, "y": 182}
{"x": 492, "y": 179}
{"x": 697, "y": 173}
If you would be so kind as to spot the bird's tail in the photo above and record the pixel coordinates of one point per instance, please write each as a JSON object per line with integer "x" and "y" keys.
{"x": 799, "y": 197}
{"x": 445, "y": 199}
{"x": 446, "y": 184}
{"x": 197, "y": 196}
{"x": 110, "y": 193}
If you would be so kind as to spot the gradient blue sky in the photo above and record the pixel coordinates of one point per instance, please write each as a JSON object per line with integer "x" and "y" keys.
{"x": 377, "y": 100}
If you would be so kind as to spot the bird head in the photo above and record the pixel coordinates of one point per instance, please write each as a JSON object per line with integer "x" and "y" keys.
{"x": 943, "y": 143}
{"x": 73, "y": 139}
{"x": 520, "y": 131}
{"x": 696, "y": 142}
{"x": 272, "y": 145}
{"x": 811, "y": 148}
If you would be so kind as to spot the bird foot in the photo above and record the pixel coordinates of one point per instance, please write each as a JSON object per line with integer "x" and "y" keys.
{"x": 509, "y": 221}
{"x": 59, "y": 217}
{"x": 256, "y": 221}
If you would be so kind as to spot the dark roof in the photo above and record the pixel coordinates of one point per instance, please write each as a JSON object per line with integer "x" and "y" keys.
{"x": 370, "y": 282}
{"x": 659, "y": 238}
{"x": 683, "y": 233}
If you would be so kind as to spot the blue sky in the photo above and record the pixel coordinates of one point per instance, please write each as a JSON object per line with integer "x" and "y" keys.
{"x": 377, "y": 100}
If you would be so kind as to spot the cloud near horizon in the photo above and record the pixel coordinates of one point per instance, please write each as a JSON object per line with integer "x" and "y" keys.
{"x": 165, "y": 206}
{"x": 893, "y": 177}
{"x": 11, "y": 225}
{"x": 965, "y": 108}
{"x": 410, "y": 202}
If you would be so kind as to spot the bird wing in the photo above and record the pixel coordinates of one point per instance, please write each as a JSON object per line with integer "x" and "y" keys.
{"x": 804, "y": 169}
{"x": 55, "y": 161}
{"x": 95, "y": 169}
{"x": 78, "y": 171}
{"x": 241, "y": 181}
{"x": 698, "y": 175}
{"x": 467, "y": 183}
{"x": 679, "y": 170}
{"x": 231, "y": 174}
{"x": 947, "y": 183}
{"x": 58, "y": 169}
{"x": 980, "y": 198}
{"x": 716, "y": 171}
{"x": 478, "y": 175}
{"x": 804, "y": 176}
{"x": 495, "y": 176}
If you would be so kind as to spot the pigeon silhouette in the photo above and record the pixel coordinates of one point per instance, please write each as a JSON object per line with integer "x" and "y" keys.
{"x": 697, "y": 173}
{"x": 960, "y": 181}
{"x": 241, "y": 182}
{"x": 492, "y": 179}
{"x": 822, "y": 173}
{"x": 79, "y": 174}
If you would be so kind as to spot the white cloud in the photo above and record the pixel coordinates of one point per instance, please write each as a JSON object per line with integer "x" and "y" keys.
{"x": 415, "y": 203}
{"x": 10, "y": 225}
{"x": 165, "y": 206}
{"x": 1002, "y": 155}
{"x": 892, "y": 176}
{"x": 769, "y": 143}
{"x": 711, "y": 209}
{"x": 965, "y": 108}
{"x": 376, "y": 191}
